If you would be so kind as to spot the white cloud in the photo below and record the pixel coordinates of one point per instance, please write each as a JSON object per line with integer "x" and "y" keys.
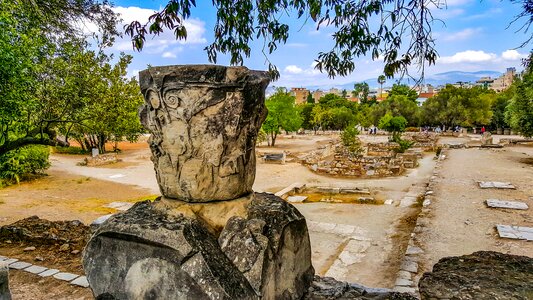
{"x": 462, "y": 35}
{"x": 469, "y": 56}
{"x": 157, "y": 44}
{"x": 169, "y": 54}
{"x": 292, "y": 69}
{"x": 513, "y": 55}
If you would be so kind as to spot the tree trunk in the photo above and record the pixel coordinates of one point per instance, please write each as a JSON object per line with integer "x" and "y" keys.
{"x": 273, "y": 135}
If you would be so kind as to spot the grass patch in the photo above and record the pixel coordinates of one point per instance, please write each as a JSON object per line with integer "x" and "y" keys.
{"x": 69, "y": 150}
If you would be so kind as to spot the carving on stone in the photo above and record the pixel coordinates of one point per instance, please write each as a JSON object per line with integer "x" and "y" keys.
{"x": 189, "y": 244}
{"x": 204, "y": 122}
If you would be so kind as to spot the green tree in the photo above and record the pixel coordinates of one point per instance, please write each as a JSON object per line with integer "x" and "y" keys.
{"x": 350, "y": 140}
{"x": 360, "y": 91}
{"x": 459, "y": 106}
{"x": 310, "y": 99}
{"x": 392, "y": 124}
{"x": 34, "y": 35}
{"x": 381, "y": 81}
{"x": 403, "y": 89}
{"x": 110, "y": 113}
{"x": 239, "y": 22}
{"x": 398, "y": 105}
{"x": 282, "y": 114}
{"x": 306, "y": 111}
{"x": 520, "y": 109}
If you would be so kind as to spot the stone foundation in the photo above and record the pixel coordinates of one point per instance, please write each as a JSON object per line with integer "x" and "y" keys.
{"x": 250, "y": 248}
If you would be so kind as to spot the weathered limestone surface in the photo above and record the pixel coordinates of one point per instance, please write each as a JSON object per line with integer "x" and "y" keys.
{"x": 5, "y": 294}
{"x": 204, "y": 121}
{"x": 327, "y": 288}
{"x": 173, "y": 252}
{"x": 481, "y": 275}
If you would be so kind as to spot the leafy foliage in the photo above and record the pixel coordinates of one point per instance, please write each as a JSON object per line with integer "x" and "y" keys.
{"x": 41, "y": 90}
{"x": 520, "y": 109}
{"x": 392, "y": 124}
{"x": 459, "y": 106}
{"x": 397, "y": 23}
{"x": 26, "y": 160}
{"x": 398, "y": 105}
{"x": 361, "y": 90}
{"x": 350, "y": 140}
{"x": 403, "y": 90}
{"x": 282, "y": 114}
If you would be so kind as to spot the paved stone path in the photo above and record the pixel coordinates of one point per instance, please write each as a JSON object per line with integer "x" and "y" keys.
{"x": 73, "y": 279}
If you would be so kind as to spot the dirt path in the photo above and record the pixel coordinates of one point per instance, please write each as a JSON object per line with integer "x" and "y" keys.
{"x": 64, "y": 196}
{"x": 459, "y": 222}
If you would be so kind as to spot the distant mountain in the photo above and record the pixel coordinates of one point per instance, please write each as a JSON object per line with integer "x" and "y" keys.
{"x": 435, "y": 80}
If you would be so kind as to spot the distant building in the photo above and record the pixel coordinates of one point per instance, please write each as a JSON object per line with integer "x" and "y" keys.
{"x": 486, "y": 82}
{"x": 300, "y": 94}
{"x": 499, "y": 84}
{"x": 317, "y": 95}
{"x": 503, "y": 82}
{"x": 335, "y": 91}
{"x": 422, "y": 97}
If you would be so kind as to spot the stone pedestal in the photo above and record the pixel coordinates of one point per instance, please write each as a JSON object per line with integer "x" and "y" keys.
{"x": 209, "y": 236}
{"x": 169, "y": 249}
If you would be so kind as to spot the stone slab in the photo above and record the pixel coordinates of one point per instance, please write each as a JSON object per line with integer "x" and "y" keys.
{"x": 515, "y": 232}
{"x": 80, "y": 281}
{"x": 122, "y": 206}
{"x": 295, "y": 186}
{"x": 48, "y": 272}
{"x": 296, "y": 199}
{"x": 404, "y": 289}
{"x": 496, "y": 203}
{"x": 19, "y": 265}
{"x": 98, "y": 221}
{"x": 496, "y": 185}
{"x": 404, "y": 282}
{"x": 65, "y": 276}
{"x": 35, "y": 269}
{"x": 10, "y": 261}
{"x": 409, "y": 266}
{"x": 413, "y": 250}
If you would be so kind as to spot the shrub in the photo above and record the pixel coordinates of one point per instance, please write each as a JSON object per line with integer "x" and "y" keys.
{"x": 69, "y": 150}
{"x": 16, "y": 164}
{"x": 402, "y": 144}
{"x": 412, "y": 129}
{"x": 350, "y": 140}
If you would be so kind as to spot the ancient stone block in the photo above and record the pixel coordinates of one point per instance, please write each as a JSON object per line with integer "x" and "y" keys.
{"x": 5, "y": 294}
{"x": 203, "y": 121}
{"x": 179, "y": 250}
{"x": 481, "y": 275}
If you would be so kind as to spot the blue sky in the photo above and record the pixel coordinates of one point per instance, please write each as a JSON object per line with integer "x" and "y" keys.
{"x": 474, "y": 37}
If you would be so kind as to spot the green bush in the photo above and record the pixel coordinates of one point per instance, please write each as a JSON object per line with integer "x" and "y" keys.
{"x": 69, "y": 150}
{"x": 350, "y": 140}
{"x": 402, "y": 144}
{"x": 16, "y": 164}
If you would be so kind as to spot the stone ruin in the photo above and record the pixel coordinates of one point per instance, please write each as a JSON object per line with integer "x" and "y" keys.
{"x": 209, "y": 236}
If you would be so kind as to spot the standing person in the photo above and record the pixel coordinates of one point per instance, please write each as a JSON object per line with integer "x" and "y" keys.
{"x": 482, "y": 130}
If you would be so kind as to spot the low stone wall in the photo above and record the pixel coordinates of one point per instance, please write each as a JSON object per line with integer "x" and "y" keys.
{"x": 361, "y": 166}
{"x": 100, "y": 160}
{"x": 381, "y": 149}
